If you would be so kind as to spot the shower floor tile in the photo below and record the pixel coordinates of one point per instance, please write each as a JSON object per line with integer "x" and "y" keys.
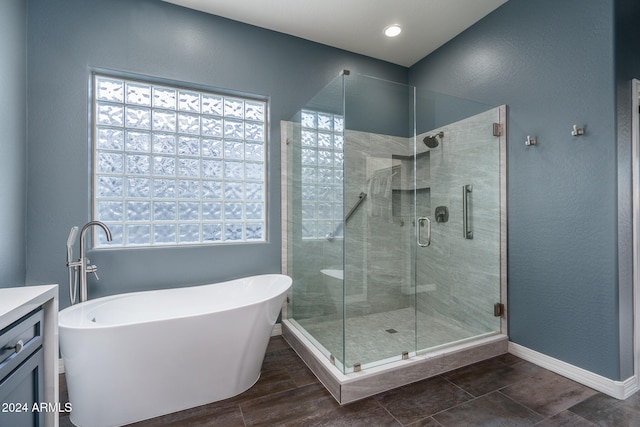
{"x": 385, "y": 335}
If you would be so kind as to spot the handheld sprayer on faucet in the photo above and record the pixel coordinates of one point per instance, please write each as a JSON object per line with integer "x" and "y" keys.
{"x": 81, "y": 267}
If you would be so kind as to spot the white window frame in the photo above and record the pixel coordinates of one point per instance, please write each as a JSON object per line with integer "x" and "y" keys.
{"x": 197, "y": 178}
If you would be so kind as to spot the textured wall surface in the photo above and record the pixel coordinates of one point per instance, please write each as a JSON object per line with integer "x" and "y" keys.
{"x": 69, "y": 38}
{"x": 552, "y": 64}
{"x": 13, "y": 109}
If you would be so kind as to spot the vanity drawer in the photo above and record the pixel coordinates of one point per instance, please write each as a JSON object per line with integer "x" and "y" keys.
{"x": 20, "y": 391}
{"x": 19, "y": 340}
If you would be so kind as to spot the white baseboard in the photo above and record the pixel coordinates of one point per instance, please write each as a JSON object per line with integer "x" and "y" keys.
{"x": 617, "y": 389}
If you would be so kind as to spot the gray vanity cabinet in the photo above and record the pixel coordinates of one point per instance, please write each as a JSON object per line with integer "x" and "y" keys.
{"x": 22, "y": 372}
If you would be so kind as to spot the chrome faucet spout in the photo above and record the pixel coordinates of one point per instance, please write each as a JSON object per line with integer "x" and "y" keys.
{"x": 89, "y": 225}
{"x": 84, "y": 267}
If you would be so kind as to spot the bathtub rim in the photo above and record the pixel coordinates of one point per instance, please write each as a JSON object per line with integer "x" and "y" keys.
{"x": 97, "y": 302}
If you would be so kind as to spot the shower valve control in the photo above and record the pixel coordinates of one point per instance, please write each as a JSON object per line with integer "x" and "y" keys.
{"x": 442, "y": 214}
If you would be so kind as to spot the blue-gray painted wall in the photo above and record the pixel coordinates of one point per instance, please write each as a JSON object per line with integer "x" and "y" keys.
{"x": 551, "y": 62}
{"x": 68, "y": 38}
{"x": 13, "y": 138}
{"x": 368, "y": 104}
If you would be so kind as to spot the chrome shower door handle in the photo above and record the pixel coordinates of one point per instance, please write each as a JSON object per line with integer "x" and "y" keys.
{"x": 467, "y": 233}
{"x": 421, "y": 222}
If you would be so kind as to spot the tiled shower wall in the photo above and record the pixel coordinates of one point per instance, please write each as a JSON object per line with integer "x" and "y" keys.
{"x": 458, "y": 278}
{"x": 378, "y": 243}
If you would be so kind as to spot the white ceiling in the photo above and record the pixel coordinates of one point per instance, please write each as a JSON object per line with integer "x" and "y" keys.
{"x": 357, "y": 25}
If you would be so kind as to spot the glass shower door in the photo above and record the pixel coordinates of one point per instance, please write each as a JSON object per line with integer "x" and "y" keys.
{"x": 458, "y": 275}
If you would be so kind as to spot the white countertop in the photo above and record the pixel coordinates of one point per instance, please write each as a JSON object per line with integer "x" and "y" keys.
{"x": 16, "y": 302}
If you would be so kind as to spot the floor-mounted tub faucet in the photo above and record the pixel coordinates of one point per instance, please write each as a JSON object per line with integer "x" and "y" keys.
{"x": 83, "y": 264}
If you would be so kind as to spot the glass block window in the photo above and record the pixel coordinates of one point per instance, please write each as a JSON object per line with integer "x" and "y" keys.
{"x": 177, "y": 166}
{"x": 322, "y": 158}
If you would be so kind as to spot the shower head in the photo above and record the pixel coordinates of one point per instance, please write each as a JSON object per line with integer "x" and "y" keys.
{"x": 431, "y": 141}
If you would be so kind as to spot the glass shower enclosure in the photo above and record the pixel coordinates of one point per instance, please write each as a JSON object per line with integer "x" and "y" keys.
{"x": 395, "y": 239}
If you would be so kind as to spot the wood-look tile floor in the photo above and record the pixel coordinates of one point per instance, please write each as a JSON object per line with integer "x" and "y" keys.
{"x": 503, "y": 391}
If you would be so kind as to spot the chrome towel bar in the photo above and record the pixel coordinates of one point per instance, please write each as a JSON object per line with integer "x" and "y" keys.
{"x": 467, "y": 233}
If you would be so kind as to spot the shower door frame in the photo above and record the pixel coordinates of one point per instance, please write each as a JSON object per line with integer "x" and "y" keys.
{"x": 635, "y": 185}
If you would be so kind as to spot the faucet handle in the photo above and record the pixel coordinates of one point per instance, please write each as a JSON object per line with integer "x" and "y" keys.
{"x": 92, "y": 269}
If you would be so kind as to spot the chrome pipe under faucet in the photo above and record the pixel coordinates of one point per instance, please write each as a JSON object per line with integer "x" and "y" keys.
{"x": 83, "y": 264}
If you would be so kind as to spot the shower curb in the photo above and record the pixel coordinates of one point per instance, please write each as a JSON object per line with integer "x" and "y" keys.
{"x": 359, "y": 385}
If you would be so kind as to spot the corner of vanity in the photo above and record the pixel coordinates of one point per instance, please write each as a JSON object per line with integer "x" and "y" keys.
{"x": 29, "y": 356}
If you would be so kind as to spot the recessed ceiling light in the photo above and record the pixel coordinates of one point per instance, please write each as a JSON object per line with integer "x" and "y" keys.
{"x": 392, "y": 30}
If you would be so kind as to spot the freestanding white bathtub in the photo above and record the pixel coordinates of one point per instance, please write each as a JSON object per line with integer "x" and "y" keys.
{"x": 135, "y": 356}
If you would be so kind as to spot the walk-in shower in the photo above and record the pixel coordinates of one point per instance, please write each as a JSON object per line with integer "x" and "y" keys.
{"x": 394, "y": 234}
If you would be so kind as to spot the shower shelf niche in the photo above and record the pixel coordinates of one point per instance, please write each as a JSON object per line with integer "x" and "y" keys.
{"x": 404, "y": 180}
{"x": 402, "y": 203}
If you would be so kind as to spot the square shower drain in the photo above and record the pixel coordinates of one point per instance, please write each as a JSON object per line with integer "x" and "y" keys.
{"x": 391, "y": 331}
